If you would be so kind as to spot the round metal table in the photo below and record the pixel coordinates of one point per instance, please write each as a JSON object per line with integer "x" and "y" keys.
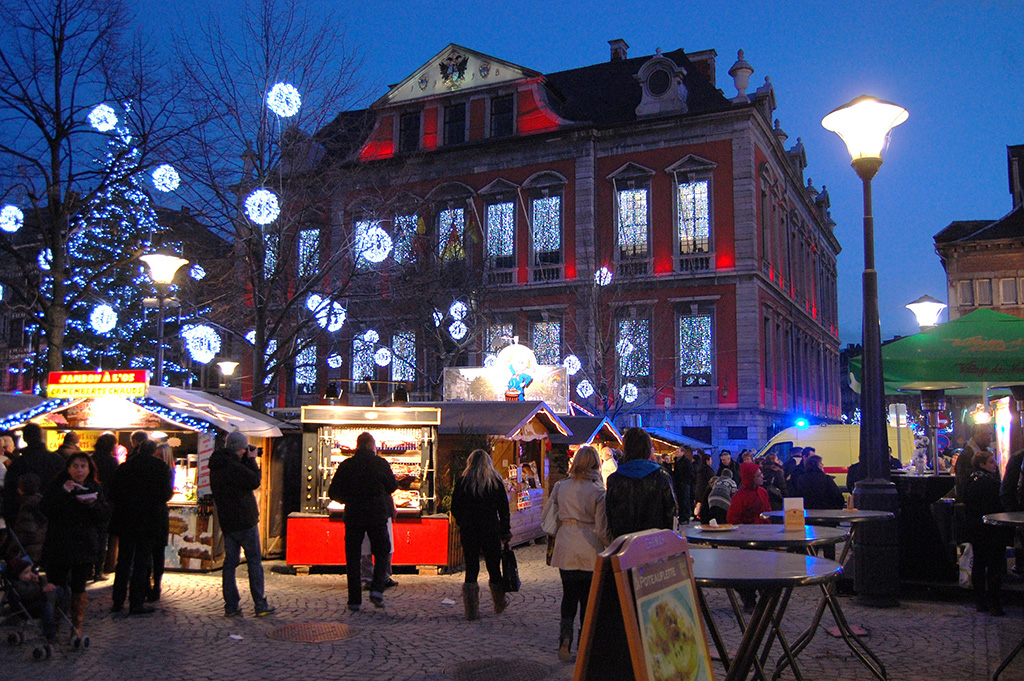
{"x": 775, "y": 575}
{"x": 1010, "y": 519}
{"x": 767, "y": 536}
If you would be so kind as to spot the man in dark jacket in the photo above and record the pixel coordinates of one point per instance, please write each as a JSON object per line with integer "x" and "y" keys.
{"x": 774, "y": 481}
{"x": 364, "y": 482}
{"x": 818, "y": 488}
{"x": 34, "y": 457}
{"x": 683, "y": 478}
{"x": 639, "y": 495}
{"x": 1011, "y": 493}
{"x": 234, "y": 476}
{"x": 725, "y": 460}
{"x": 139, "y": 493}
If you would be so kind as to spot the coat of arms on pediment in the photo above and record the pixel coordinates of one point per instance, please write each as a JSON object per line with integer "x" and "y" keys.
{"x": 453, "y": 70}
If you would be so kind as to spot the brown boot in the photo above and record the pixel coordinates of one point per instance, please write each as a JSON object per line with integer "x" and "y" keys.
{"x": 471, "y": 600}
{"x": 78, "y": 605}
{"x": 499, "y": 597}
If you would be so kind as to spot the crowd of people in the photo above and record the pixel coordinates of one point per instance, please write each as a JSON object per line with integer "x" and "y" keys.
{"x": 74, "y": 516}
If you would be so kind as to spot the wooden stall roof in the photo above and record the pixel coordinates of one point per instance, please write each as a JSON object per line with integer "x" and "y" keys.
{"x": 587, "y": 429}
{"x": 669, "y": 440}
{"x": 511, "y": 420}
{"x": 216, "y": 410}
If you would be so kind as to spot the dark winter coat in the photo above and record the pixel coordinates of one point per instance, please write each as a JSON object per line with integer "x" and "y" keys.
{"x": 819, "y": 490}
{"x": 1010, "y": 491}
{"x": 774, "y": 484}
{"x": 981, "y": 497}
{"x": 702, "y": 486}
{"x": 683, "y": 478}
{"x": 139, "y": 493}
{"x": 106, "y": 466}
{"x": 72, "y": 531}
{"x": 481, "y": 516}
{"x": 364, "y": 483}
{"x": 233, "y": 480}
{"x": 30, "y": 526}
{"x": 34, "y": 458}
{"x": 639, "y": 498}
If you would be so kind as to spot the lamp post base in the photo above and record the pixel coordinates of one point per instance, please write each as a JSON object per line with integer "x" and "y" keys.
{"x": 876, "y": 549}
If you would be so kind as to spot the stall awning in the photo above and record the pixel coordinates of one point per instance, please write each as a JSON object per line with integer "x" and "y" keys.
{"x": 217, "y": 411}
{"x": 674, "y": 440}
{"x": 511, "y": 420}
{"x": 587, "y": 429}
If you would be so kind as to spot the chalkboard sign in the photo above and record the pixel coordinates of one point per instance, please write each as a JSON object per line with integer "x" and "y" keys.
{"x": 643, "y": 620}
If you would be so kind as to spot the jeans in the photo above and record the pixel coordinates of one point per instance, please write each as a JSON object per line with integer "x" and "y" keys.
{"x": 366, "y": 559}
{"x": 134, "y": 566}
{"x": 472, "y": 547}
{"x": 575, "y": 591}
{"x": 380, "y": 545}
{"x": 248, "y": 541}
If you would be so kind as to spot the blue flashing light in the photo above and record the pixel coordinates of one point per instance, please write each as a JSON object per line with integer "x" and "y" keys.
{"x": 802, "y": 423}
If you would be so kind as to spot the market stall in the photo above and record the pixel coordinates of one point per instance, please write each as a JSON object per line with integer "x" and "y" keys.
{"x": 596, "y": 431}
{"x": 193, "y": 423}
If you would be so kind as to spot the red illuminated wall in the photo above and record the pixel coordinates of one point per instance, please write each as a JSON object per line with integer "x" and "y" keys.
{"x": 381, "y": 143}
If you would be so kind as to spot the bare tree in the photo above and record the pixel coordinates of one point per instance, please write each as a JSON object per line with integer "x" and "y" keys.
{"x": 292, "y": 269}
{"x": 59, "y": 60}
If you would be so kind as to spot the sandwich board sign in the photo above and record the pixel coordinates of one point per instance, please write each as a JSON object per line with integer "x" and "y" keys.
{"x": 643, "y": 618}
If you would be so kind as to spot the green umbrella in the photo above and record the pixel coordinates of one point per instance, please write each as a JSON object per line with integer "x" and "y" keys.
{"x": 961, "y": 356}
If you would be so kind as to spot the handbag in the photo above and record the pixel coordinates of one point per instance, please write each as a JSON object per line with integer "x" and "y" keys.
{"x": 509, "y": 569}
{"x": 551, "y": 549}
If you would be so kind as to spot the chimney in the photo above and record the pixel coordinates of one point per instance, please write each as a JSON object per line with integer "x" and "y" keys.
{"x": 619, "y": 49}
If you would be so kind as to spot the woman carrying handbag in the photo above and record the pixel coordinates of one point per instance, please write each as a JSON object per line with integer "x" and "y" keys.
{"x": 575, "y": 517}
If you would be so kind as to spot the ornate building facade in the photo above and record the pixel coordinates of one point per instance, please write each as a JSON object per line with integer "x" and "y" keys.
{"x": 625, "y": 218}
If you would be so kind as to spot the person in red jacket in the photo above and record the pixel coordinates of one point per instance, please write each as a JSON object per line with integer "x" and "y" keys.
{"x": 751, "y": 500}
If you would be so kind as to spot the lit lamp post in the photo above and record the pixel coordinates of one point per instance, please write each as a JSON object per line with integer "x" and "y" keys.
{"x": 162, "y": 268}
{"x": 227, "y": 370}
{"x": 927, "y": 310}
{"x": 864, "y": 124}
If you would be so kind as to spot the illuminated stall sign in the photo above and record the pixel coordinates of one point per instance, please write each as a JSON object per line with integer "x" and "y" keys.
{"x": 127, "y": 383}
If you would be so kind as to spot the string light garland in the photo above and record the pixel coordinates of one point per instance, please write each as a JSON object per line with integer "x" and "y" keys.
{"x": 173, "y": 416}
{"x": 23, "y": 417}
{"x": 45, "y": 259}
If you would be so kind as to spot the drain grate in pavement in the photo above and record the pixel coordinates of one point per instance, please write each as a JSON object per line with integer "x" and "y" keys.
{"x": 497, "y": 670}
{"x": 311, "y": 632}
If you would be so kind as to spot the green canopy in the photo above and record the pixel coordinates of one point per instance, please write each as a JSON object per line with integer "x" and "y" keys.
{"x": 961, "y": 356}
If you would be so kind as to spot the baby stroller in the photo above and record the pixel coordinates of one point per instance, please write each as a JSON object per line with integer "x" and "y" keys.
{"x": 26, "y": 615}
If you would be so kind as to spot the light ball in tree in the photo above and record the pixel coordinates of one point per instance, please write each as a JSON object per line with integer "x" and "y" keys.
{"x": 585, "y": 389}
{"x": 629, "y": 393}
{"x": 103, "y": 118}
{"x": 166, "y": 178}
{"x": 572, "y": 364}
{"x": 262, "y": 207}
{"x": 202, "y": 342}
{"x": 103, "y": 318}
{"x": 11, "y": 219}
{"x": 284, "y": 100}
{"x": 334, "y": 361}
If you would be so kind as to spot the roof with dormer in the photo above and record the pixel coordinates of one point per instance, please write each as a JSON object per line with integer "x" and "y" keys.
{"x": 1010, "y": 226}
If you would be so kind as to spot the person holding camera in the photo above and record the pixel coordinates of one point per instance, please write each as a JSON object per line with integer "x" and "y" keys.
{"x": 234, "y": 476}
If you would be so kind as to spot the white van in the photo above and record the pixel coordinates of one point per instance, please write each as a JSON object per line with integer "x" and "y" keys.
{"x": 837, "y": 445}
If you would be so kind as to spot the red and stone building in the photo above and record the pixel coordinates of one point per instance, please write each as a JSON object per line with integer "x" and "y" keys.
{"x": 627, "y": 213}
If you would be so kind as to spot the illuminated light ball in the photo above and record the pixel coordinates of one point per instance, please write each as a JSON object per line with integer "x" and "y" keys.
{"x": 371, "y": 336}
{"x": 251, "y": 337}
{"x": 331, "y": 317}
{"x": 458, "y": 310}
{"x": 11, "y": 219}
{"x": 45, "y": 259}
{"x": 458, "y": 330}
{"x": 103, "y": 118}
{"x": 490, "y": 360}
{"x": 585, "y": 389}
{"x": 166, "y": 178}
{"x": 438, "y": 317}
{"x": 572, "y": 364}
{"x": 629, "y": 393}
{"x": 374, "y": 244}
{"x": 625, "y": 347}
{"x": 313, "y": 302}
{"x": 103, "y": 318}
{"x": 261, "y": 206}
{"x": 334, "y": 361}
{"x": 603, "y": 277}
{"x": 382, "y": 357}
{"x": 197, "y": 272}
{"x": 1, "y": 291}
{"x": 202, "y": 341}
{"x": 284, "y": 100}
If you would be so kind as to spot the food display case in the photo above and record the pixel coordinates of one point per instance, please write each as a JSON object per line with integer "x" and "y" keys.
{"x": 406, "y": 437}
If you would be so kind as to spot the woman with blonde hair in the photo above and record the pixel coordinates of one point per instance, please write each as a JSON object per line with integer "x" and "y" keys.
{"x": 575, "y": 516}
{"x": 480, "y": 508}
{"x": 165, "y": 454}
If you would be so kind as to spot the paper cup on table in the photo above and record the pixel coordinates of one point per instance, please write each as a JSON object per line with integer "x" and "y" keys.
{"x": 794, "y": 510}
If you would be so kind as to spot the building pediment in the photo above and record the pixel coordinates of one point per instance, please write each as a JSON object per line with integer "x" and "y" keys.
{"x": 454, "y": 68}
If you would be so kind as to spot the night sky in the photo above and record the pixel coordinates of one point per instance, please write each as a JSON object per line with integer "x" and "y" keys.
{"x": 955, "y": 66}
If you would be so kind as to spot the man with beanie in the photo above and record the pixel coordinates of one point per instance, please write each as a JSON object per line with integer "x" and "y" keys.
{"x": 234, "y": 476}
{"x": 640, "y": 495}
{"x": 34, "y": 457}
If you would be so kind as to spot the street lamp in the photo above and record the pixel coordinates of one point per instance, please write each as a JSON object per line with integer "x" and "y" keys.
{"x": 162, "y": 268}
{"x": 227, "y": 369}
{"x": 864, "y": 124}
{"x": 927, "y": 310}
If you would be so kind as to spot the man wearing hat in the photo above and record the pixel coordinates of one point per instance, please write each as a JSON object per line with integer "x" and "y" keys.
{"x": 234, "y": 476}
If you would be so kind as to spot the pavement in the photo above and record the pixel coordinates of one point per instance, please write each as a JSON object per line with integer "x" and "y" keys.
{"x": 420, "y": 636}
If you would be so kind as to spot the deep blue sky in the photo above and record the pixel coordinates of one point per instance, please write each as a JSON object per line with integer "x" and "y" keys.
{"x": 956, "y": 66}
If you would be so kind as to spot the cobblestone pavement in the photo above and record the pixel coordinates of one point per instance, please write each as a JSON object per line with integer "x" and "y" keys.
{"x": 419, "y": 637}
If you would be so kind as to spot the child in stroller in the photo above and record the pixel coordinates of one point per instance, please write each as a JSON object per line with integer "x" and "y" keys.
{"x": 34, "y": 596}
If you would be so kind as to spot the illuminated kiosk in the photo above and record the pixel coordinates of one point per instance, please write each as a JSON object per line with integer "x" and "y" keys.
{"x": 193, "y": 423}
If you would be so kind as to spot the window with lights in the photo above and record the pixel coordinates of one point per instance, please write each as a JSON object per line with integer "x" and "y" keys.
{"x": 501, "y": 235}
{"x": 695, "y": 335}
{"x": 633, "y": 349}
{"x": 305, "y": 369}
{"x": 404, "y": 234}
{"x": 546, "y": 341}
{"x": 309, "y": 252}
{"x": 451, "y": 229}
{"x": 403, "y": 351}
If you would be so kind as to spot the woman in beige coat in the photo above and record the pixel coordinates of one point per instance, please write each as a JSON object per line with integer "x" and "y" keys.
{"x": 575, "y": 516}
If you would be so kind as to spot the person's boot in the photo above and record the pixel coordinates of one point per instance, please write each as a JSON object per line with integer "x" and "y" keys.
{"x": 471, "y": 600}
{"x": 78, "y": 605}
{"x": 995, "y": 597}
{"x": 499, "y": 597}
{"x": 565, "y": 640}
